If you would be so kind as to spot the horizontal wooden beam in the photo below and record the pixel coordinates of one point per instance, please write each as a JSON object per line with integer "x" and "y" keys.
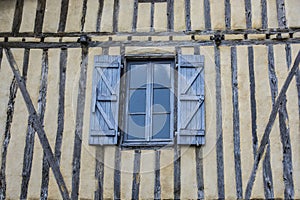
{"x": 37, "y": 125}
{"x": 49, "y": 45}
{"x": 167, "y": 33}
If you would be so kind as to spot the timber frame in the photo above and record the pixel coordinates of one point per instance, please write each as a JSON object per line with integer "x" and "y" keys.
{"x": 86, "y": 40}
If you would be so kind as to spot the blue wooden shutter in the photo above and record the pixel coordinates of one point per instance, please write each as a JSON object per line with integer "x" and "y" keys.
{"x": 191, "y": 109}
{"x": 105, "y": 100}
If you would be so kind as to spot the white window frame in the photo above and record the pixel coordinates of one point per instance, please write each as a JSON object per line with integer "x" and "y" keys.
{"x": 148, "y": 141}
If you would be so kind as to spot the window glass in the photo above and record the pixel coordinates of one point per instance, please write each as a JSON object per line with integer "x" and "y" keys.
{"x": 138, "y": 76}
{"x": 137, "y": 101}
{"x": 161, "y": 126}
{"x": 136, "y": 127}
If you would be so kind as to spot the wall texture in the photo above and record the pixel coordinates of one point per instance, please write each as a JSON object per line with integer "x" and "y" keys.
{"x": 244, "y": 73}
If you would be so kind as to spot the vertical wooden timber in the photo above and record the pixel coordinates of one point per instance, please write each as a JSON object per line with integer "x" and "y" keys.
{"x": 1, "y": 56}
{"x": 287, "y": 151}
{"x": 264, "y": 14}
{"x": 286, "y": 141}
{"x": 289, "y": 63}
{"x": 157, "y": 189}
{"x": 39, "y": 17}
{"x": 60, "y": 125}
{"x": 37, "y": 125}
{"x": 99, "y": 15}
{"x": 236, "y": 125}
{"x": 63, "y": 15}
{"x": 281, "y": 17}
{"x": 267, "y": 170}
{"x": 136, "y": 175}
{"x": 152, "y": 17}
{"x": 199, "y": 157}
{"x": 9, "y": 118}
{"x": 99, "y": 172}
{"x": 177, "y": 154}
{"x": 135, "y": 15}
{"x": 199, "y": 171}
{"x": 117, "y": 174}
{"x": 219, "y": 144}
{"x": 17, "y": 16}
{"x": 188, "y": 15}
{"x": 61, "y": 103}
{"x": 252, "y": 100}
{"x": 170, "y": 14}
{"x": 79, "y": 123}
{"x": 248, "y": 13}
{"x": 83, "y": 14}
{"x": 227, "y": 14}
{"x": 29, "y": 145}
{"x": 116, "y": 15}
{"x": 269, "y": 126}
{"x": 207, "y": 17}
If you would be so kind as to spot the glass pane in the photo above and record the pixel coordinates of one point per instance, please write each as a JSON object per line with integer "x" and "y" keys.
{"x": 138, "y": 76}
{"x": 161, "y": 100}
{"x": 136, "y": 127}
{"x": 137, "y": 101}
{"x": 162, "y": 75}
{"x": 161, "y": 126}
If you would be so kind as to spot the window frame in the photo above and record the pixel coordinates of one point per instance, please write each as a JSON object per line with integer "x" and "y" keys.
{"x": 124, "y": 115}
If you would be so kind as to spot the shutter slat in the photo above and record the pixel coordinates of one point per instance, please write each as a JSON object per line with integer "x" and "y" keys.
{"x": 105, "y": 100}
{"x": 191, "y": 108}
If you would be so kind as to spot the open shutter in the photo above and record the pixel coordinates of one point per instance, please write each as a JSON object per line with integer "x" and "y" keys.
{"x": 191, "y": 109}
{"x": 105, "y": 100}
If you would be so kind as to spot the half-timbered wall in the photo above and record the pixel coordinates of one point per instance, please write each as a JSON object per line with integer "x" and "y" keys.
{"x": 249, "y": 47}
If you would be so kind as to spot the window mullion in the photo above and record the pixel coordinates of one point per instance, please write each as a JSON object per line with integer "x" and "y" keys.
{"x": 148, "y": 102}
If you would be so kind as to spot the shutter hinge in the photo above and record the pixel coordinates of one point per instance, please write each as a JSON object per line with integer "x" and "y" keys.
{"x": 122, "y": 66}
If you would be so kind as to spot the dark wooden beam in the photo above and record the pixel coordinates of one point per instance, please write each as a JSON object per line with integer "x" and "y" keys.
{"x": 170, "y": 14}
{"x": 281, "y": 17}
{"x": 236, "y": 124}
{"x": 117, "y": 174}
{"x": 30, "y": 135}
{"x": 219, "y": 130}
{"x": 264, "y": 14}
{"x": 207, "y": 17}
{"x": 252, "y": 100}
{"x": 286, "y": 151}
{"x": 266, "y": 135}
{"x": 99, "y": 15}
{"x": 135, "y": 15}
{"x": 188, "y": 26}
{"x": 116, "y": 16}
{"x": 177, "y": 150}
{"x": 51, "y": 45}
{"x": 248, "y": 13}
{"x": 83, "y": 15}
{"x": 1, "y": 56}
{"x": 227, "y": 14}
{"x": 17, "y": 16}
{"x": 150, "y": 1}
{"x": 271, "y": 31}
{"x": 36, "y": 121}
{"x": 136, "y": 175}
{"x": 63, "y": 15}
{"x": 152, "y": 17}
{"x": 39, "y": 17}
{"x": 157, "y": 188}
{"x": 99, "y": 172}
{"x": 79, "y": 123}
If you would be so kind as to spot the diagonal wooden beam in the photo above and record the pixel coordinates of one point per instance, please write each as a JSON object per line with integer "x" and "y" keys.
{"x": 36, "y": 121}
{"x": 269, "y": 126}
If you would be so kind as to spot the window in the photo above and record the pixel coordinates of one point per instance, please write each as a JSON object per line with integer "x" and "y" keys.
{"x": 153, "y": 91}
{"x": 150, "y": 102}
